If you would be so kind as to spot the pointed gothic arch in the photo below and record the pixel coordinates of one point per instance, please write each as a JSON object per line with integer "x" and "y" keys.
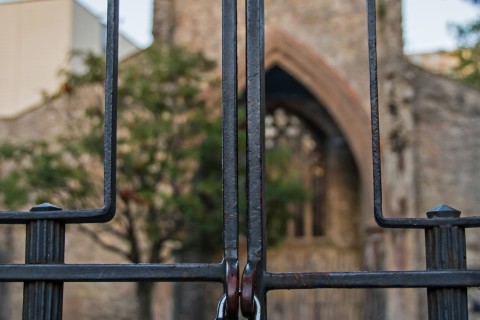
{"x": 328, "y": 231}
{"x": 334, "y": 93}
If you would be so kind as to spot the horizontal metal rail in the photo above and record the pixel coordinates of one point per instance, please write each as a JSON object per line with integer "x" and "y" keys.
{"x": 113, "y": 272}
{"x": 65, "y": 216}
{"x": 378, "y": 279}
{"x": 215, "y": 273}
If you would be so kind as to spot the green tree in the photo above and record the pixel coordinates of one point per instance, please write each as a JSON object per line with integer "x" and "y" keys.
{"x": 169, "y": 163}
{"x": 468, "y": 53}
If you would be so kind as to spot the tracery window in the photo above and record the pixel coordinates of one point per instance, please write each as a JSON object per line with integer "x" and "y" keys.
{"x": 284, "y": 129}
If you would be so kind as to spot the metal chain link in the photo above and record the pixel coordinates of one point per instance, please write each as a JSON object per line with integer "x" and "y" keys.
{"x": 222, "y": 307}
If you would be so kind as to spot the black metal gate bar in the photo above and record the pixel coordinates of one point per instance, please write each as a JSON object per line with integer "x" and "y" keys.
{"x": 110, "y": 125}
{"x": 214, "y": 273}
{"x": 444, "y": 229}
{"x": 188, "y": 272}
{"x": 446, "y": 276}
{"x": 372, "y": 280}
{"x": 110, "y": 137}
{"x": 253, "y": 280}
{"x": 252, "y": 284}
{"x": 43, "y": 272}
{"x": 419, "y": 223}
{"x": 230, "y": 154}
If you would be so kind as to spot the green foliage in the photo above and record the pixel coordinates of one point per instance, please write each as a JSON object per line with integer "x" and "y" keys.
{"x": 168, "y": 158}
{"x": 381, "y": 9}
{"x": 94, "y": 73}
{"x": 36, "y": 164}
{"x": 468, "y": 54}
{"x": 284, "y": 188}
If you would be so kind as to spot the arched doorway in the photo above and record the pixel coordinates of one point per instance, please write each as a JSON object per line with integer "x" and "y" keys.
{"x": 323, "y": 233}
{"x": 330, "y": 232}
{"x": 338, "y": 100}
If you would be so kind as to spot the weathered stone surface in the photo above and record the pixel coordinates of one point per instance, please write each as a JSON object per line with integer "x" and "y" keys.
{"x": 430, "y": 129}
{"x": 164, "y": 20}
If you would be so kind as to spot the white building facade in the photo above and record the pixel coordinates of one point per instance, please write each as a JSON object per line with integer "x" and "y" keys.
{"x": 37, "y": 39}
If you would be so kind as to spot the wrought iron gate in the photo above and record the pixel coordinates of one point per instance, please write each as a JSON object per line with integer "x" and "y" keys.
{"x": 44, "y": 272}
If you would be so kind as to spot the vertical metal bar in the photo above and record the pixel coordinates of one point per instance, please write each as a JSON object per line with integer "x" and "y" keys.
{"x": 230, "y": 154}
{"x": 256, "y": 265}
{"x": 110, "y": 126}
{"x": 375, "y": 125}
{"x": 446, "y": 249}
{"x": 45, "y": 244}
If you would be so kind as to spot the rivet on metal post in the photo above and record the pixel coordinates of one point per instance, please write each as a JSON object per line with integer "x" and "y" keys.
{"x": 446, "y": 249}
{"x": 45, "y": 244}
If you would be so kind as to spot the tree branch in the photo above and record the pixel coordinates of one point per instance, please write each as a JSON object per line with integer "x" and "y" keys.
{"x": 95, "y": 237}
{"x": 134, "y": 255}
{"x": 117, "y": 233}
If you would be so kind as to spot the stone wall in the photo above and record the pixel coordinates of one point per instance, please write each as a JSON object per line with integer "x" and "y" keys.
{"x": 320, "y": 255}
{"x": 447, "y": 115}
{"x": 430, "y": 139}
{"x": 81, "y": 300}
{"x": 430, "y": 150}
{"x": 335, "y": 29}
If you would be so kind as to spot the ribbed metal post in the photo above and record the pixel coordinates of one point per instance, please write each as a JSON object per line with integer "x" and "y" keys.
{"x": 445, "y": 249}
{"x": 45, "y": 244}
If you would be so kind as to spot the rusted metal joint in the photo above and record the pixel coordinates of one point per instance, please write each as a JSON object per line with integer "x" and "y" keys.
{"x": 247, "y": 301}
{"x": 232, "y": 289}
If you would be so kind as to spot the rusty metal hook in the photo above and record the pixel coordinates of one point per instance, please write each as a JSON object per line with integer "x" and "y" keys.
{"x": 232, "y": 289}
{"x": 247, "y": 302}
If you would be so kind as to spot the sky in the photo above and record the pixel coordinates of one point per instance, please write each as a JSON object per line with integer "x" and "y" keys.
{"x": 426, "y": 22}
{"x": 135, "y": 18}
